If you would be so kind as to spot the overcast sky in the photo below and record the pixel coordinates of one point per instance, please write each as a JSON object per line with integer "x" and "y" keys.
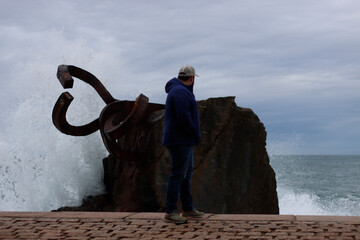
{"x": 295, "y": 63}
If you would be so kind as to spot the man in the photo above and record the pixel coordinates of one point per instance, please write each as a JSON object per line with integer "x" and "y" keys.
{"x": 181, "y": 133}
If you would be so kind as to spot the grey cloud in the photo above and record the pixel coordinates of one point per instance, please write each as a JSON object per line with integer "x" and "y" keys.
{"x": 285, "y": 59}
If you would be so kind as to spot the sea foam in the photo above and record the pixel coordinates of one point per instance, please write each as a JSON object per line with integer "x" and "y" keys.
{"x": 42, "y": 169}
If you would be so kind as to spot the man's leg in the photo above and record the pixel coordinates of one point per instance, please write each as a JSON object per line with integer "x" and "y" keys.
{"x": 185, "y": 192}
{"x": 185, "y": 188}
{"x": 179, "y": 168}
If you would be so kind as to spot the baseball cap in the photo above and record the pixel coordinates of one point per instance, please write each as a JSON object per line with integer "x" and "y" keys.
{"x": 187, "y": 71}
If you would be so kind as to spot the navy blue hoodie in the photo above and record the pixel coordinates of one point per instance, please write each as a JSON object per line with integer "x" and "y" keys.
{"x": 182, "y": 124}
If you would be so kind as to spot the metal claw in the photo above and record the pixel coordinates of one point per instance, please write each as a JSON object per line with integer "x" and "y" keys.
{"x": 118, "y": 118}
{"x": 60, "y": 122}
{"x": 65, "y": 73}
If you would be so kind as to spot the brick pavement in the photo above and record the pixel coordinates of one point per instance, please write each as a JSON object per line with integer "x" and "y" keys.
{"x": 147, "y": 226}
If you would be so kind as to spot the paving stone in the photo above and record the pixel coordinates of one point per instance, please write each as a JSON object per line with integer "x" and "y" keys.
{"x": 260, "y": 237}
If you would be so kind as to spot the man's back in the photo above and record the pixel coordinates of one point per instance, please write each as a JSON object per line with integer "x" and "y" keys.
{"x": 181, "y": 125}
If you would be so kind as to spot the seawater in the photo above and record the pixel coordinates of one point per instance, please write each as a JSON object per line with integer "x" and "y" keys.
{"x": 318, "y": 184}
{"x": 42, "y": 169}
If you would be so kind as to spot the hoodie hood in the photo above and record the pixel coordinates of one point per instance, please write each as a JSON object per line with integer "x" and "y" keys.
{"x": 176, "y": 82}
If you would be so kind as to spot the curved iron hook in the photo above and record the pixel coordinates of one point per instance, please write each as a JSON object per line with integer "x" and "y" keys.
{"x": 60, "y": 122}
{"x": 64, "y": 74}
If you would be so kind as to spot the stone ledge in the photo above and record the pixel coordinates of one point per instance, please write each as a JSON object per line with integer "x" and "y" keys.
{"x": 120, "y": 215}
{"x": 159, "y": 216}
{"x": 328, "y": 218}
{"x": 251, "y": 217}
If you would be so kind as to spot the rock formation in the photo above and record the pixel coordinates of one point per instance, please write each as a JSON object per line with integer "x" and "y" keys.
{"x": 232, "y": 173}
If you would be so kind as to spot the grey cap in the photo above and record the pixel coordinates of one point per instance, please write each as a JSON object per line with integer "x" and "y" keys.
{"x": 187, "y": 71}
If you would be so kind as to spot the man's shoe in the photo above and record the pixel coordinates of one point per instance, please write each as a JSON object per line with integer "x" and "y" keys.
{"x": 193, "y": 214}
{"x": 175, "y": 218}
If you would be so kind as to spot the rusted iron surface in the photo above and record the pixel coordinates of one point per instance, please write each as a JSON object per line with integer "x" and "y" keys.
{"x": 66, "y": 72}
{"x": 60, "y": 122}
{"x": 116, "y": 119}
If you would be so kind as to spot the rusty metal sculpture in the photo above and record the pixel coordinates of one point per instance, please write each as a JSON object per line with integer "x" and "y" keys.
{"x": 115, "y": 120}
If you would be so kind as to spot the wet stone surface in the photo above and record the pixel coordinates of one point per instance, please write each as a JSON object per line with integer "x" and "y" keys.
{"x": 93, "y": 225}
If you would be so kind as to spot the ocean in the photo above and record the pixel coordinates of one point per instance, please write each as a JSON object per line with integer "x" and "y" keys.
{"x": 39, "y": 181}
{"x": 318, "y": 184}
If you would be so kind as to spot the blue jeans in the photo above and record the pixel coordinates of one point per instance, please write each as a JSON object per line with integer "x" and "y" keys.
{"x": 180, "y": 178}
